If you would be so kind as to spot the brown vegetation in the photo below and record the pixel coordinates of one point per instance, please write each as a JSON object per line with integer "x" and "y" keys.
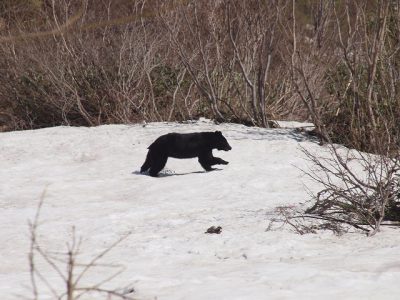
{"x": 87, "y": 62}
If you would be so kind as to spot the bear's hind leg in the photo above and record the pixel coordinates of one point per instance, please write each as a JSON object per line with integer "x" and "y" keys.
{"x": 147, "y": 162}
{"x": 157, "y": 165}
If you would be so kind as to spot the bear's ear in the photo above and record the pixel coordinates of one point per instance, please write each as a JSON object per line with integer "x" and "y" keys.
{"x": 218, "y": 132}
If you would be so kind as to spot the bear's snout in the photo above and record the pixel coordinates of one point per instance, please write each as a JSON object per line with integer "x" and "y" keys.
{"x": 228, "y": 148}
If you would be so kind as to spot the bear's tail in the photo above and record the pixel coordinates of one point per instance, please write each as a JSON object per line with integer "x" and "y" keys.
{"x": 147, "y": 162}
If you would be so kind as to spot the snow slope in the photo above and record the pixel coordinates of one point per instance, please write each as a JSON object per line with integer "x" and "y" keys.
{"x": 92, "y": 182}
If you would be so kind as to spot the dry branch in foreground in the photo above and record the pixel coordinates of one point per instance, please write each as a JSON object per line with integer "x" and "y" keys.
{"x": 69, "y": 269}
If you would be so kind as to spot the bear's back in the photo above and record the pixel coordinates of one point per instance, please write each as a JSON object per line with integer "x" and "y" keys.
{"x": 181, "y": 145}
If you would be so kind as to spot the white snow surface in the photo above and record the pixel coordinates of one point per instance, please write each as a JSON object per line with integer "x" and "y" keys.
{"x": 92, "y": 182}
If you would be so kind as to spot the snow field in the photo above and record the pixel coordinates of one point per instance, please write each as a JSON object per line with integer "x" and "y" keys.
{"x": 92, "y": 182}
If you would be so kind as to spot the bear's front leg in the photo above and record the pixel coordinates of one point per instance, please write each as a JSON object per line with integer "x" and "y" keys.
{"x": 219, "y": 161}
{"x": 206, "y": 161}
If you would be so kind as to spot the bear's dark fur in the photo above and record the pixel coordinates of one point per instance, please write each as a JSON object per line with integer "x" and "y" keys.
{"x": 187, "y": 145}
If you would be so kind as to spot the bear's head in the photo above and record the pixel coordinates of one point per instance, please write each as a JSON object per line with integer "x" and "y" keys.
{"x": 220, "y": 142}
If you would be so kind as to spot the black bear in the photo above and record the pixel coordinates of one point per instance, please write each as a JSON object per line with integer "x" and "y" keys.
{"x": 189, "y": 145}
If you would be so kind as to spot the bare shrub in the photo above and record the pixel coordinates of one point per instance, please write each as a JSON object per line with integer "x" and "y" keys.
{"x": 359, "y": 189}
{"x": 313, "y": 54}
{"x": 69, "y": 269}
{"x": 194, "y": 32}
{"x": 232, "y": 53}
{"x": 260, "y": 77}
{"x": 345, "y": 77}
{"x": 293, "y": 216}
{"x": 81, "y": 72}
{"x": 365, "y": 82}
